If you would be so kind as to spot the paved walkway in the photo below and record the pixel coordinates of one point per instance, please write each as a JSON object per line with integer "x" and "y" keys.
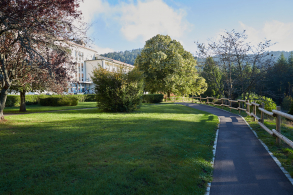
{"x": 242, "y": 165}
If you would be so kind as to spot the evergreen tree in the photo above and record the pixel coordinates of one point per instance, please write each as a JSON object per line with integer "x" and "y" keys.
{"x": 212, "y": 75}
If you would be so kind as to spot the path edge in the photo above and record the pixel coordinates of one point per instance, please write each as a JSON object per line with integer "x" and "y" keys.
{"x": 264, "y": 145}
{"x": 214, "y": 156}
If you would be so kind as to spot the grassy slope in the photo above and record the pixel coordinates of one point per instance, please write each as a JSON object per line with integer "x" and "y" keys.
{"x": 38, "y": 108}
{"x": 284, "y": 153}
{"x": 160, "y": 149}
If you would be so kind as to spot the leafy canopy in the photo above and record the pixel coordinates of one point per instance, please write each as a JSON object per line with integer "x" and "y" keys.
{"x": 168, "y": 67}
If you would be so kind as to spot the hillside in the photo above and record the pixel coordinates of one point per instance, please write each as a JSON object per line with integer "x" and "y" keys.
{"x": 277, "y": 54}
{"x": 124, "y": 56}
{"x": 129, "y": 56}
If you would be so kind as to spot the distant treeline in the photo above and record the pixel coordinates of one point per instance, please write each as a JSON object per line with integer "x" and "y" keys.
{"x": 124, "y": 56}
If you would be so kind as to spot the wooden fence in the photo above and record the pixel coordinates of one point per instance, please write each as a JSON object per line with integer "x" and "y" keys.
{"x": 245, "y": 105}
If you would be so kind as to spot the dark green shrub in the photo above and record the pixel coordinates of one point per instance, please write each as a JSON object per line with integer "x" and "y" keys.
{"x": 59, "y": 101}
{"x": 90, "y": 98}
{"x": 152, "y": 98}
{"x": 291, "y": 110}
{"x": 286, "y": 103}
{"x": 118, "y": 91}
{"x": 12, "y": 101}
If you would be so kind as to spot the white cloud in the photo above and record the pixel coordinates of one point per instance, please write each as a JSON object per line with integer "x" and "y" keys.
{"x": 276, "y": 31}
{"x": 101, "y": 50}
{"x": 146, "y": 19}
{"x": 92, "y": 8}
{"x": 142, "y": 20}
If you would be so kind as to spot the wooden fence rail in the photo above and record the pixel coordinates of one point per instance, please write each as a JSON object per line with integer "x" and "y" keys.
{"x": 275, "y": 113}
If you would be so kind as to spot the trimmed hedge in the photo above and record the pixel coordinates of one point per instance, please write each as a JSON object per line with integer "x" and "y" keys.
{"x": 59, "y": 101}
{"x": 90, "y": 98}
{"x": 152, "y": 98}
{"x": 14, "y": 100}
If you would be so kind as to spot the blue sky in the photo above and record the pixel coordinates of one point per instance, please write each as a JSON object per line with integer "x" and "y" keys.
{"x": 118, "y": 25}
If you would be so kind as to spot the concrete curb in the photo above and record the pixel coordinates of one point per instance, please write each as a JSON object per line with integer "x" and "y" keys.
{"x": 265, "y": 146}
{"x": 214, "y": 155}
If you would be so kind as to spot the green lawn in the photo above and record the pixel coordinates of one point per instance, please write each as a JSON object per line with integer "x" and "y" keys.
{"x": 38, "y": 108}
{"x": 284, "y": 153}
{"x": 160, "y": 149}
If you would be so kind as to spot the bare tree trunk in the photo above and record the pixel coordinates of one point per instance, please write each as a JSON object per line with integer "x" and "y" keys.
{"x": 3, "y": 98}
{"x": 22, "y": 102}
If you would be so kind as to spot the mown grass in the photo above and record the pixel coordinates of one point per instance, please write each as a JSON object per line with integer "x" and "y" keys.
{"x": 39, "y": 108}
{"x": 160, "y": 149}
{"x": 283, "y": 152}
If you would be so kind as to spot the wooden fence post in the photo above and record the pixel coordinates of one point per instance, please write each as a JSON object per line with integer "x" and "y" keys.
{"x": 222, "y": 103}
{"x": 254, "y": 111}
{"x": 262, "y": 114}
{"x": 239, "y": 107}
{"x": 207, "y": 100}
{"x": 200, "y": 98}
{"x": 230, "y": 105}
{"x": 248, "y": 107}
{"x": 278, "y": 125}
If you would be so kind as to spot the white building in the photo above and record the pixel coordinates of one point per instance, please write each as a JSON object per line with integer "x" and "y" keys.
{"x": 86, "y": 60}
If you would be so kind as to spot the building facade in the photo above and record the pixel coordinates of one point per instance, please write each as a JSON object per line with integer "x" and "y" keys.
{"x": 86, "y": 60}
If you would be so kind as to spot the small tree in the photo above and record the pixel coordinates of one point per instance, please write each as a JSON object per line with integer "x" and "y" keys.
{"x": 29, "y": 31}
{"x": 118, "y": 91}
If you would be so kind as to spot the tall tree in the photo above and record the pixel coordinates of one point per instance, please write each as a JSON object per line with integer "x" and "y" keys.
{"x": 279, "y": 77}
{"x": 213, "y": 77}
{"x": 29, "y": 32}
{"x": 233, "y": 53}
{"x": 168, "y": 67}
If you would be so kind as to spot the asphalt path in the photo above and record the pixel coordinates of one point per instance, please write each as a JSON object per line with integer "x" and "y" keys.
{"x": 242, "y": 165}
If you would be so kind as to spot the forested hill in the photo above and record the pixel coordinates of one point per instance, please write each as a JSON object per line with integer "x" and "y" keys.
{"x": 124, "y": 56}
{"x": 129, "y": 56}
{"x": 277, "y": 54}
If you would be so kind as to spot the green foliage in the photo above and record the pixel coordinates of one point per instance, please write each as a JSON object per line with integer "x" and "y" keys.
{"x": 168, "y": 68}
{"x": 126, "y": 56}
{"x": 81, "y": 98}
{"x": 118, "y": 91}
{"x": 291, "y": 109}
{"x": 31, "y": 99}
{"x": 286, "y": 103}
{"x": 269, "y": 103}
{"x": 59, "y": 101}
{"x": 152, "y": 98}
{"x": 90, "y": 98}
{"x": 212, "y": 74}
{"x": 12, "y": 100}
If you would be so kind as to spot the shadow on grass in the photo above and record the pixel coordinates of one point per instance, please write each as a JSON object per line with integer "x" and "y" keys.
{"x": 90, "y": 152}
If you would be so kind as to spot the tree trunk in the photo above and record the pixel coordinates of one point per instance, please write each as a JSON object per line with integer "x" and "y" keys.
{"x": 22, "y": 102}
{"x": 3, "y": 97}
{"x": 168, "y": 94}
